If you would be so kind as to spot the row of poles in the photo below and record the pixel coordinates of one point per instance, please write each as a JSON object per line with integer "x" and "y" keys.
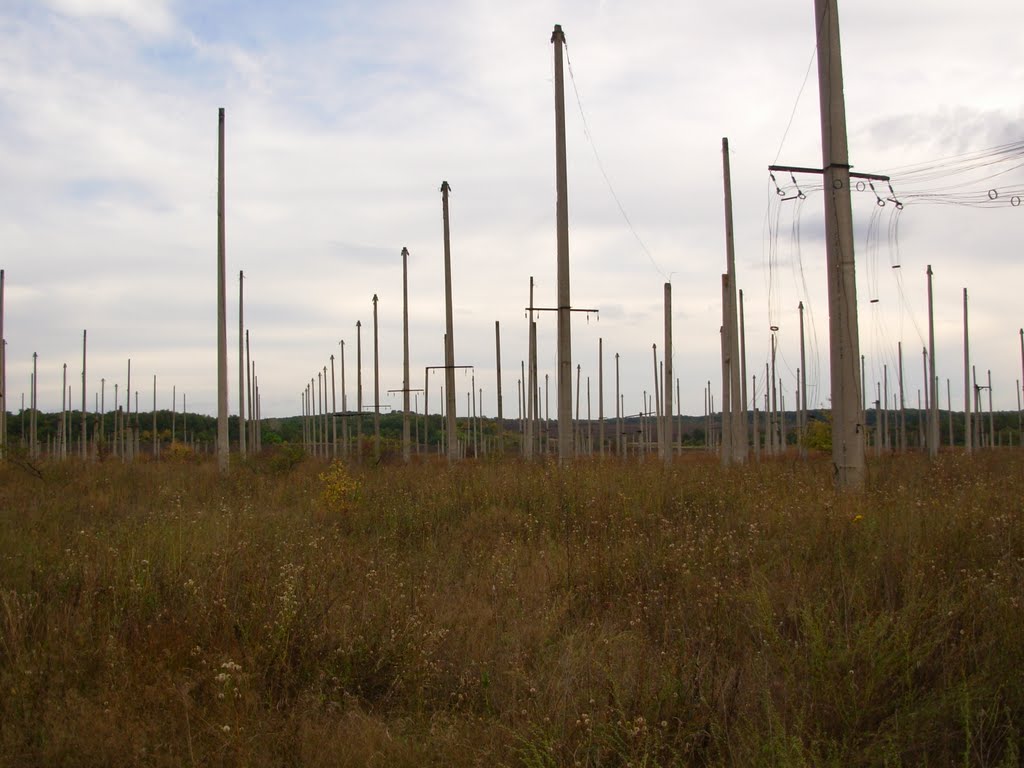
{"x": 848, "y": 412}
{"x": 124, "y": 440}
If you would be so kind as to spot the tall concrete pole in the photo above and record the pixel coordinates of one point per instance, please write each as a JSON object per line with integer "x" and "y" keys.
{"x": 156, "y": 443}
{"x": 501, "y": 413}
{"x": 248, "y": 389}
{"x": 359, "y": 390}
{"x": 618, "y": 410}
{"x": 925, "y": 432}
{"x": 323, "y": 410}
{"x": 949, "y": 409}
{"x": 933, "y": 384}
{"x": 743, "y": 366}
{"x": 844, "y": 335}
{"x": 376, "y": 384}
{"x": 968, "y": 433}
{"x": 600, "y": 393}
{"x": 3, "y": 375}
{"x": 241, "y": 368}
{"x": 991, "y": 416}
{"x": 449, "y": 343}
{"x": 727, "y": 400}
{"x": 82, "y": 437}
{"x": 658, "y": 435}
{"x": 65, "y": 405}
{"x": 565, "y": 436}
{"x": 532, "y": 385}
{"x": 773, "y": 418}
{"x": 127, "y": 425}
{"x": 406, "y": 437}
{"x": 33, "y": 447}
{"x": 803, "y": 388}
{"x": 903, "y": 407}
{"x": 344, "y": 400}
{"x": 667, "y": 398}
{"x": 737, "y": 405}
{"x": 334, "y": 414}
{"x": 222, "y": 324}
{"x": 886, "y": 442}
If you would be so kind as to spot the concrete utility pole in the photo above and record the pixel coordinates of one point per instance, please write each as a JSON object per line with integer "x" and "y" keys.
{"x": 533, "y": 405}
{"x": 3, "y": 375}
{"x": 600, "y": 394}
{"x": 844, "y": 340}
{"x": 565, "y": 435}
{"x": 736, "y": 405}
{"x": 743, "y": 366}
{"x": 406, "y": 449}
{"x": 667, "y": 379}
{"x": 618, "y": 411}
{"x": 449, "y": 343}
{"x": 376, "y": 384}
{"x": 803, "y": 388}
{"x": 933, "y": 384}
{"x": 249, "y": 399}
{"x": 33, "y": 448}
{"x": 222, "y": 324}
{"x": 344, "y": 400}
{"x": 501, "y": 415}
{"x": 903, "y": 408}
{"x": 847, "y": 430}
{"x": 726, "y": 348}
{"x": 334, "y": 414}
{"x": 968, "y": 433}
{"x": 241, "y": 368}
{"x": 82, "y": 437}
{"x": 359, "y": 390}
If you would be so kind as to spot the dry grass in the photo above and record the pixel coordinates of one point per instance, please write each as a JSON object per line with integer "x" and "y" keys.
{"x": 513, "y": 614}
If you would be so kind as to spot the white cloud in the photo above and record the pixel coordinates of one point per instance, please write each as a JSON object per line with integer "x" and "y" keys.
{"x": 150, "y": 16}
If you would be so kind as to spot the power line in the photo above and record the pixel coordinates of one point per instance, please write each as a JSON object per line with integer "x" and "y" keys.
{"x": 600, "y": 165}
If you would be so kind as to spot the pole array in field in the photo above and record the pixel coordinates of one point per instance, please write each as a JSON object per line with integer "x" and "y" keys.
{"x": 565, "y": 427}
{"x": 449, "y": 343}
{"x": 222, "y": 326}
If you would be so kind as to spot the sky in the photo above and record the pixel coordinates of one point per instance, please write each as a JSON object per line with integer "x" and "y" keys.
{"x": 343, "y": 118}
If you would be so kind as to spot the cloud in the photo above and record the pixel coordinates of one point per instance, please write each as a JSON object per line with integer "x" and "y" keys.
{"x": 152, "y": 17}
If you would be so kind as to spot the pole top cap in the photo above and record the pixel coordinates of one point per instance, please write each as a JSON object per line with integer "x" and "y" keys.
{"x": 558, "y": 34}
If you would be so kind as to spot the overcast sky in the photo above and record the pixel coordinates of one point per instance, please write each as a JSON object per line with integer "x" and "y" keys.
{"x": 344, "y": 117}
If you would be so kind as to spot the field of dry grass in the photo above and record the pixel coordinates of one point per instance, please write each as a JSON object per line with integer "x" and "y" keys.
{"x": 602, "y": 614}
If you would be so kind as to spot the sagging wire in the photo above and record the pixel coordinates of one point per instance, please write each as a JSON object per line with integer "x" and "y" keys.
{"x": 604, "y": 173}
